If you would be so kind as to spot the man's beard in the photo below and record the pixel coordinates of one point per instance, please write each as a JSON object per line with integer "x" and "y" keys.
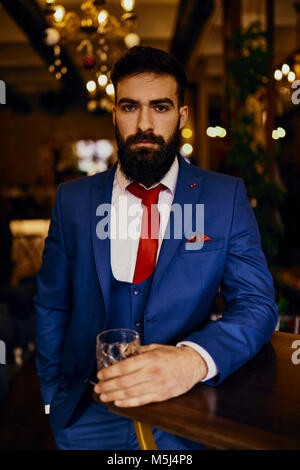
{"x": 147, "y": 165}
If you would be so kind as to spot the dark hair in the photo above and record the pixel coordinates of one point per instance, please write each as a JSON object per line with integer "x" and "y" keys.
{"x": 141, "y": 59}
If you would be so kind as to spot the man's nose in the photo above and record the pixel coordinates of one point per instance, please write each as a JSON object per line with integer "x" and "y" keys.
{"x": 144, "y": 120}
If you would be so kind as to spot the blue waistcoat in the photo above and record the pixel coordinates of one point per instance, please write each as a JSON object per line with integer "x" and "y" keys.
{"x": 128, "y": 303}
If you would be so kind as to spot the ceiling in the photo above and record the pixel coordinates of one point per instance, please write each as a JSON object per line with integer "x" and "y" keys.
{"x": 25, "y": 69}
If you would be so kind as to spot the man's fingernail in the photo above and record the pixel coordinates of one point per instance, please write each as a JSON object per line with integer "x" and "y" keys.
{"x": 100, "y": 376}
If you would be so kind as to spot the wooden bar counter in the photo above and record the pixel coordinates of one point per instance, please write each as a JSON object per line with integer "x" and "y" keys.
{"x": 257, "y": 407}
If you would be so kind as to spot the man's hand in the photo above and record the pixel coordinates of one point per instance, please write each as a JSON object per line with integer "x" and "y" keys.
{"x": 158, "y": 373}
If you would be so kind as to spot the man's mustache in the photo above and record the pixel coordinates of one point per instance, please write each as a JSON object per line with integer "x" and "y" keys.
{"x": 143, "y": 136}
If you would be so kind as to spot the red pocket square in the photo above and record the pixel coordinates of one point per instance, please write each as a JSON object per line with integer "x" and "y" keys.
{"x": 198, "y": 237}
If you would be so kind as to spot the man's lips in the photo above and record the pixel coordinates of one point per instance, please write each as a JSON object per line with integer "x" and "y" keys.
{"x": 145, "y": 143}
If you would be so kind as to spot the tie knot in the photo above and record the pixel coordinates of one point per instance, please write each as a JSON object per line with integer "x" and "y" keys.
{"x": 148, "y": 196}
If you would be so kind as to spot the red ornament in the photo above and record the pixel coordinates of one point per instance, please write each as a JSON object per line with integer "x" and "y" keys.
{"x": 88, "y": 62}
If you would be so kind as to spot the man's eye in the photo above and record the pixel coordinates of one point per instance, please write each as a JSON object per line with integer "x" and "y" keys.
{"x": 161, "y": 108}
{"x": 128, "y": 107}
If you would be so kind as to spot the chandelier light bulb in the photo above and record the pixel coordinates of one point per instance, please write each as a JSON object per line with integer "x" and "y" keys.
{"x": 52, "y": 36}
{"x": 103, "y": 56}
{"x": 278, "y": 74}
{"x": 92, "y": 105}
{"x": 285, "y": 69}
{"x": 127, "y": 5}
{"x": 275, "y": 135}
{"x": 91, "y": 86}
{"x": 291, "y": 76}
{"x": 110, "y": 89}
{"x": 102, "y": 17}
{"x": 102, "y": 80}
{"x": 56, "y": 50}
{"x": 103, "y": 103}
{"x": 131, "y": 40}
{"x": 59, "y": 13}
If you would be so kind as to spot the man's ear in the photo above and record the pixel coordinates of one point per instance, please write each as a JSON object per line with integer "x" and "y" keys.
{"x": 183, "y": 113}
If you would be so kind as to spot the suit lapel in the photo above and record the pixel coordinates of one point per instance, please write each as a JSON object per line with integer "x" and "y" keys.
{"x": 184, "y": 194}
{"x": 101, "y": 194}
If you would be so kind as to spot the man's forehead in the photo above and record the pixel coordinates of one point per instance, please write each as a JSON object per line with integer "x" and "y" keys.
{"x": 147, "y": 86}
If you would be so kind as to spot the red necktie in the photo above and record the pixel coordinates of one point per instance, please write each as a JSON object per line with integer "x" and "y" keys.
{"x": 147, "y": 250}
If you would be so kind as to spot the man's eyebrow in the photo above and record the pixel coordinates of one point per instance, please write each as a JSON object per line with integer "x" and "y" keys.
{"x": 156, "y": 101}
{"x": 162, "y": 100}
{"x": 127, "y": 100}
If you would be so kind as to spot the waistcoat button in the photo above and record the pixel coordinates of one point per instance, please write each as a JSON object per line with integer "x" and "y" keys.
{"x": 136, "y": 291}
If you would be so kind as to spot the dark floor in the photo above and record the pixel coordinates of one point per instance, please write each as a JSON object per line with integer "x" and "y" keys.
{"x": 23, "y": 424}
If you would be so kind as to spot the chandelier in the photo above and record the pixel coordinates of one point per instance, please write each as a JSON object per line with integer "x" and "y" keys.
{"x": 96, "y": 31}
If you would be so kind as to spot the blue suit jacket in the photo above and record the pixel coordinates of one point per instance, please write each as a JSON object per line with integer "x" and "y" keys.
{"x": 73, "y": 298}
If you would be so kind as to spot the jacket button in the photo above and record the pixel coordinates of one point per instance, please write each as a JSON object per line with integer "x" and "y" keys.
{"x": 136, "y": 291}
{"x": 138, "y": 323}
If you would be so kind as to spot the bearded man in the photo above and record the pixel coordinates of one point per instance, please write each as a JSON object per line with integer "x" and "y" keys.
{"x": 156, "y": 285}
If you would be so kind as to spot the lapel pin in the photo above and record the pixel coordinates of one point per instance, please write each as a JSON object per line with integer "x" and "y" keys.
{"x": 193, "y": 185}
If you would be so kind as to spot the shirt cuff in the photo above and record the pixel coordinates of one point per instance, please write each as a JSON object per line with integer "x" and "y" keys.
{"x": 47, "y": 409}
{"x": 211, "y": 365}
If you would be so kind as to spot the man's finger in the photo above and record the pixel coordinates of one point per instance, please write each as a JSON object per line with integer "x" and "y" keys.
{"x": 149, "y": 347}
{"x": 132, "y": 392}
{"x": 122, "y": 382}
{"x": 136, "y": 401}
{"x": 127, "y": 366}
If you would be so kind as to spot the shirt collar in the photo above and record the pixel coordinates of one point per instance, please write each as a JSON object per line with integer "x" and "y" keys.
{"x": 169, "y": 180}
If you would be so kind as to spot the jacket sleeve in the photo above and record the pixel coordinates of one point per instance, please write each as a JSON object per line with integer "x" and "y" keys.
{"x": 251, "y": 314}
{"x": 53, "y": 305}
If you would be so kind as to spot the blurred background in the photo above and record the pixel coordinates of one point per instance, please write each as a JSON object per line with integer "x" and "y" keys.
{"x": 242, "y": 59}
